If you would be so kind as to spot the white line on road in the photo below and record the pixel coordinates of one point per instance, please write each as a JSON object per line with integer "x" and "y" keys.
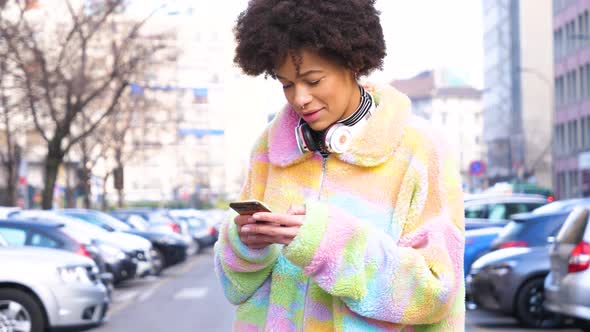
{"x": 191, "y": 293}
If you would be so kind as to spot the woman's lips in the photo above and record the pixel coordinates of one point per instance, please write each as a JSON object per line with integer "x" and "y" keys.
{"x": 311, "y": 116}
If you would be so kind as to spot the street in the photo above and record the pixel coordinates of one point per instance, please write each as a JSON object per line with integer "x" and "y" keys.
{"x": 188, "y": 298}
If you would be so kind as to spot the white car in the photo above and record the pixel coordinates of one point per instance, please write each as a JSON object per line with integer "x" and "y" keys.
{"x": 47, "y": 288}
{"x": 136, "y": 246}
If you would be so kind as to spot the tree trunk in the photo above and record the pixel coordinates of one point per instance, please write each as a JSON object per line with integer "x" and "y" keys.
{"x": 104, "y": 206}
{"x": 54, "y": 159}
{"x": 12, "y": 178}
{"x": 120, "y": 198}
{"x": 86, "y": 187}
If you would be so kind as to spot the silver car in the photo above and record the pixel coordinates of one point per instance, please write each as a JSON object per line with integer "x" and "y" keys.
{"x": 47, "y": 288}
{"x": 567, "y": 287}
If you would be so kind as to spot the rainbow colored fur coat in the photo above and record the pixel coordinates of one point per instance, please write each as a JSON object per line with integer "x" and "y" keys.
{"x": 382, "y": 245}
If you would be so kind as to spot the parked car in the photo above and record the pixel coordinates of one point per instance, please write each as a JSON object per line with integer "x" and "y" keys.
{"x": 135, "y": 247}
{"x": 47, "y": 288}
{"x": 494, "y": 210}
{"x": 477, "y": 243}
{"x": 202, "y": 230}
{"x": 159, "y": 220}
{"x": 510, "y": 281}
{"x": 529, "y": 230}
{"x": 565, "y": 205}
{"x": 167, "y": 248}
{"x": 47, "y": 234}
{"x": 6, "y": 210}
{"x": 567, "y": 287}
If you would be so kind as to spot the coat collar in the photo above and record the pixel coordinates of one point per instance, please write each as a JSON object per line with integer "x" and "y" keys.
{"x": 373, "y": 145}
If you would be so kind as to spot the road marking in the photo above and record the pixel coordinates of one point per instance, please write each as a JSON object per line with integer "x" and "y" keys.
{"x": 191, "y": 293}
{"x": 183, "y": 268}
{"x": 122, "y": 296}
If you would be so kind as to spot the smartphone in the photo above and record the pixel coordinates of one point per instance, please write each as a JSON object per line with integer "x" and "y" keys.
{"x": 249, "y": 207}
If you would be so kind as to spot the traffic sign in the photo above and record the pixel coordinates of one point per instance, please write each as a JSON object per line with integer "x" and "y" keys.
{"x": 477, "y": 167}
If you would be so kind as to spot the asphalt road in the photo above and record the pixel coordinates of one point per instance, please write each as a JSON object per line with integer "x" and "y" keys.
{"x": 188, "y": 298}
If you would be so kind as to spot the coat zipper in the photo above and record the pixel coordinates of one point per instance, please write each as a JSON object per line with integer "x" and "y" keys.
{"x": 324, "y": 162}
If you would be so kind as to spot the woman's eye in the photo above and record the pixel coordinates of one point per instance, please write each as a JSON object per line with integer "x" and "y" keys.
{"x": 314, "y": 82}
{"x": 286, "y": 86}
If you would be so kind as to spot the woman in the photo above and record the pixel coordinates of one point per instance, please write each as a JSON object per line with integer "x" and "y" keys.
{"x": 366, "y": 232}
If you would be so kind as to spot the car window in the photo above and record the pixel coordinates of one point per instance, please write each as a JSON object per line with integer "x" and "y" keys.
{"x": 497, "y": 211}
{"x": 515, "y": 208}
{"x": 476, "y": 211}
{"x": 3, "y": 243}
{"x": 41, "y": 240}
{"x": 14, "y": 236}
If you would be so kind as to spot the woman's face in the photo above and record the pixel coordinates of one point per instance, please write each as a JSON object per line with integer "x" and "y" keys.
{"x": 322, "y": 93}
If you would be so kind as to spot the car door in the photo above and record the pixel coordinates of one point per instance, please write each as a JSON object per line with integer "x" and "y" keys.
{"x": 570, "y": 234}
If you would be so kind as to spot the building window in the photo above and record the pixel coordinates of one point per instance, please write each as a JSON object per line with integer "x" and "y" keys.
{"x": 582, "y": 133}
{"x": 582, "y": 76}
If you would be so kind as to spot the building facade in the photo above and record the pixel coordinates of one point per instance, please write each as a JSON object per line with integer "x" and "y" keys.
{"x": 571, "y": 35}
{"x": 518, "y": 90}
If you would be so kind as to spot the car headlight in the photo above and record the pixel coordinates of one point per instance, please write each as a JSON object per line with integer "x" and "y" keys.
{"x": 78, "y": 273}
{"x": 111, "y": 254}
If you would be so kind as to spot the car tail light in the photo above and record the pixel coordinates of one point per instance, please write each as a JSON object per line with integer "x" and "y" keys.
{"x": 550, "y": 199}
{"x": 83, "y": 251}
{"x": 212, "y": 231}
{"x": 175, "y": 227}
{"x": 579, "y": 258}
{"x": 513, "y": 244}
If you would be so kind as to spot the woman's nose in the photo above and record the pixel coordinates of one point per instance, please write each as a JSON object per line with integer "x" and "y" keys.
{"x": 302, "y": 97}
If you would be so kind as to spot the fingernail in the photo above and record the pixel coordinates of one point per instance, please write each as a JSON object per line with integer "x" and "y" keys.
{"x": 246, "y": 228}
{"x": 252, "y": 220}
{"x": 255, "y": 215}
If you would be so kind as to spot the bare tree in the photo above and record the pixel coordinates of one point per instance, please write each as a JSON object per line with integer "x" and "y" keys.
{"x": 76, "y": 66}
{"x": 11, "y": 122}
{"x": 109, "y": 143}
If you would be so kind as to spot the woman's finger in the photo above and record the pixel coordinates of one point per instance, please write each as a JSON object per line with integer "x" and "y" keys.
{"x": 271, "y": 230}
{"x": 296, "y": 210}
{"x": 280, "y": 218}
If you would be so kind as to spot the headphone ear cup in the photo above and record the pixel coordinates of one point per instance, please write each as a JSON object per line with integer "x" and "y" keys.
{"x": 308, "y": 139}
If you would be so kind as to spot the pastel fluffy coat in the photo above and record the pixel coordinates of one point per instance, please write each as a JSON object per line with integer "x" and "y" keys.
{"x": 382, "y": 245}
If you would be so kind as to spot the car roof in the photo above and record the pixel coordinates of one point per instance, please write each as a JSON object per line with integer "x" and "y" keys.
{"x": 507, "y": 198}
{"x": 41, "y": 223}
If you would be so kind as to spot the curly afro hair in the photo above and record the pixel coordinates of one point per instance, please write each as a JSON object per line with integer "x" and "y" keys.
{"x": 347, "y": 31}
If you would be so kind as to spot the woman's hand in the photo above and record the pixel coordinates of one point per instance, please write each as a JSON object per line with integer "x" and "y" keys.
{"x": 265, "y": 228}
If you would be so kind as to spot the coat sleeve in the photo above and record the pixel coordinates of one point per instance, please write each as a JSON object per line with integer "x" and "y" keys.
{"x": 415, "y": 280}
{"x": 240, "y": 269}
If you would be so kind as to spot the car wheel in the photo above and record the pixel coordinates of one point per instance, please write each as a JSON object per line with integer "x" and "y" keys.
{"x": 20, "y": 311}
{"x": 157, "y": 261}
{"x": 529, "y": 306}
{"x": 193, "y": 248}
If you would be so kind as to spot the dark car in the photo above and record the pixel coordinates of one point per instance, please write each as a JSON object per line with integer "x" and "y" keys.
{"x": 511, "y": 281}
{"x": 168, "y": 248}
{"x": 529, "y": 230}
{"x": 48, "y": 234}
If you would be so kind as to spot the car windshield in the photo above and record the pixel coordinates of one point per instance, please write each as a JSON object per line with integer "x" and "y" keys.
{"x": 98, "y": 218}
